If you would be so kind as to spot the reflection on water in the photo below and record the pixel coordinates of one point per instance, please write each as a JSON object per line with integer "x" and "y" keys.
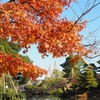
{"x": 44, "y": 97}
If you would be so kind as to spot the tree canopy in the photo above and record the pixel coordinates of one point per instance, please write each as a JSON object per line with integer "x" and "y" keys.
{"x": 88, "y": 80}
{"x": 30, "y": 22}
{"x": 38, "y": 22}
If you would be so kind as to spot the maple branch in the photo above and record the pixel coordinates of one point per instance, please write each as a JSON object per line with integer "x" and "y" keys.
{"x": 1, "y": 12}
{"x": 12, "y": 0}
{"x": 74, "y": 12}
{"x": 87, "y": 11}
{"x": 95, "y": 30}
{"x": 86, "y": 7}
{"x": 93, "y": 44}
{"x": 93, "y": 56}
{"x": 38, "y": 11}
{"x": 93, "y": 19}
{"x": 90, "y": 44}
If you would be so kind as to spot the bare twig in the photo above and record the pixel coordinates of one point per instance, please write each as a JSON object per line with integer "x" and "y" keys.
{"x": 85, "y": 7}
{"x": 95, "y": 30}
{"x": 92, "y": 57}
{"x": 93, "y": 19}
{"x": 87, "y": 11}
{"x": 74, "y": 12}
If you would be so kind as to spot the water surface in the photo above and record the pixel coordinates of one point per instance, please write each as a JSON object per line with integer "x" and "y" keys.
{"x": 39, "y": 97}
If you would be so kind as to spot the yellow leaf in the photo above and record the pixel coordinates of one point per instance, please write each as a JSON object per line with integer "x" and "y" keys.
{"x": 0, "y": 60}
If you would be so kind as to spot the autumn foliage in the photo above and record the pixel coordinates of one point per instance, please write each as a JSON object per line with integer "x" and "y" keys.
{"x": 14, "y": 65}
{"x": 38, "y": 22}
{"x": 75, "y": 59}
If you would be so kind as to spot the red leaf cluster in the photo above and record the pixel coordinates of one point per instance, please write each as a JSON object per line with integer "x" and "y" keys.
{"x": 14, "y": 65}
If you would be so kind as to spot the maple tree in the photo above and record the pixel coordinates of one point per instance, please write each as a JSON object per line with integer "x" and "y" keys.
{"x": 32, "y": 21}
{"x": 15, "y": 65}
{"x": 9, "y": 56}
{"x": 38, "y": 22}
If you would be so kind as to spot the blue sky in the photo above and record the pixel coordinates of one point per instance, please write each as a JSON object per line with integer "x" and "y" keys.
{"x": 71, "y": 14}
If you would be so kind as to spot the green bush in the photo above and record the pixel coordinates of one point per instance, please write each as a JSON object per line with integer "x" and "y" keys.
{"x": 29, "y": 86}
{"x": 13, "y": 95}
{"x": 55, "y": 91}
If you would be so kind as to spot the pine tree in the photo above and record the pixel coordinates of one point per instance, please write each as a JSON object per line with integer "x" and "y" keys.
{"x": 88, "y": 80}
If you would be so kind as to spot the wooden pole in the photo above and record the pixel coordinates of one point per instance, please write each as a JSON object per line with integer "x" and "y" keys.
{"x": 3, "y": 82}
{"x": 13, "y": 85}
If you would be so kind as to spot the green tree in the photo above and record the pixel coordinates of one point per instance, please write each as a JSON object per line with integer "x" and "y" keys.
{"x": 67, "y": 67}
{"x": 13, "y": 49}
{"x": 72, "y": 67}
{"x": 52, "y": 85}
{"x": 9, "y": 48}
{"x": 88, "y": 79}
{"x": 21, "y": 79}
{"x": 56, "y": 83}
{"x": 57, "y": 74}
{"x": 26, "y": 58}
{"x": 98, "y": 68}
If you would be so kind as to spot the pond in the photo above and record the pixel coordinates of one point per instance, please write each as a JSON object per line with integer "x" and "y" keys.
{"x": 39, "y": 97}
